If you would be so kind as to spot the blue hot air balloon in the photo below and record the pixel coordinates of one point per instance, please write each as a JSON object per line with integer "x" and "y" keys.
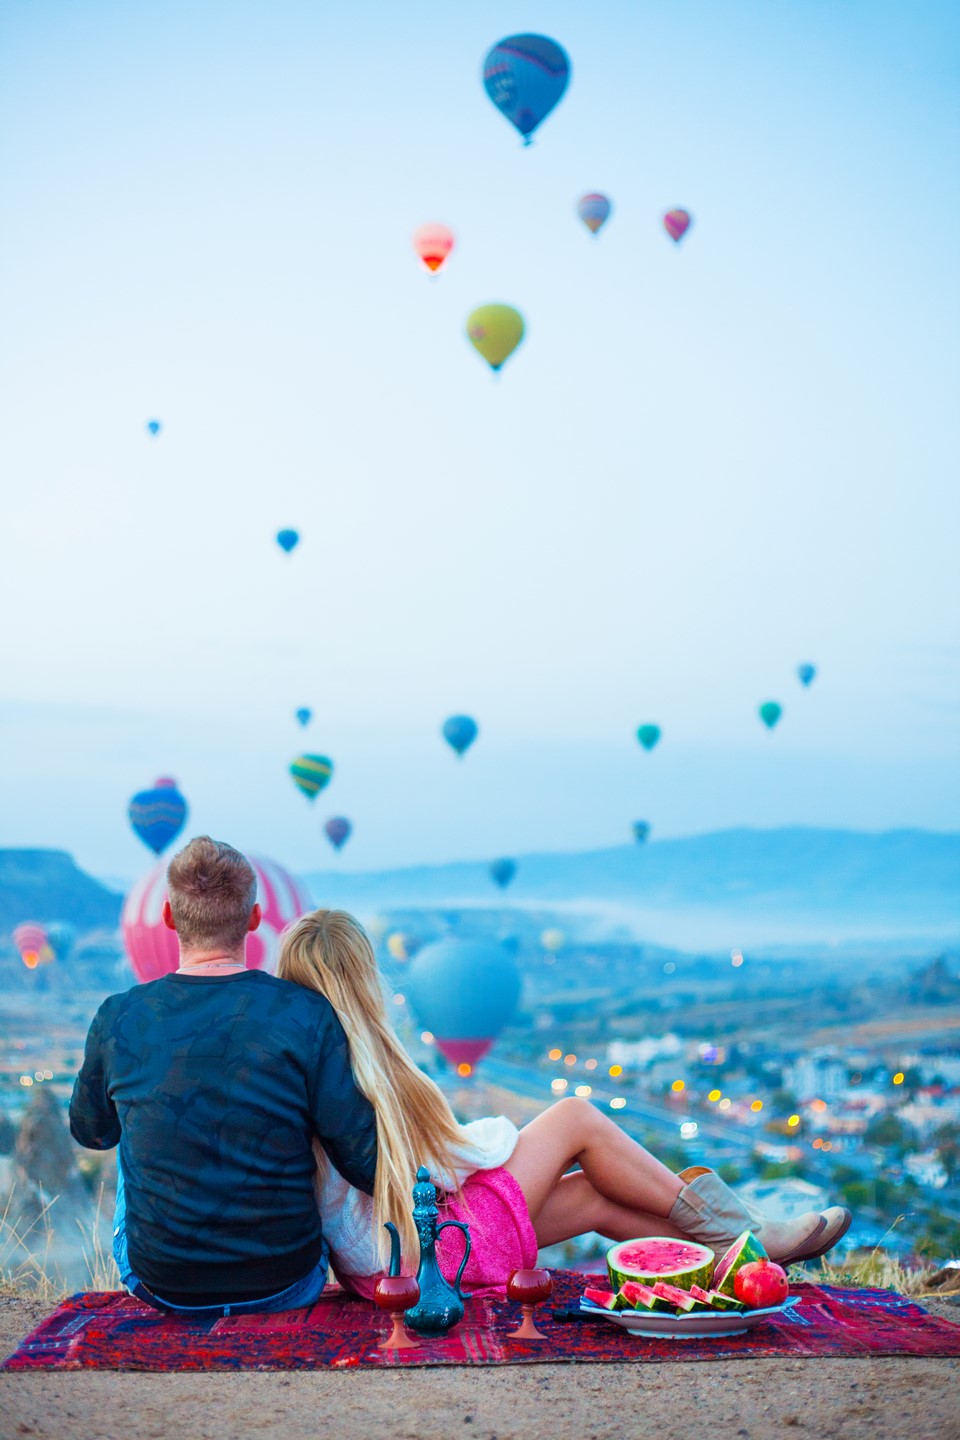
{"x": 338, "y": 830}
{"x": 465, "y": 992}
{"x": 304, "y": 715}
{"x": 158, "y": 815}
{"x": 460, "y": 731}
{"x": 641, "y": 830}
{"x": 154, "y": 427}
{"x": 525, "y": 77}
{"x": 806, "y": 673}
{"x": 287, "y": 540}
{"x": 502, "y": 872}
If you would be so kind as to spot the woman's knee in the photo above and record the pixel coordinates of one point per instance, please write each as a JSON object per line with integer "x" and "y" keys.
{"x": 578, "y": 1115}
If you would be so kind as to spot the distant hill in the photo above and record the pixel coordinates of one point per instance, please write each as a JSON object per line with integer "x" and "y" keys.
{"x": 769, "y": 884}
{"x": 47, "y": 885}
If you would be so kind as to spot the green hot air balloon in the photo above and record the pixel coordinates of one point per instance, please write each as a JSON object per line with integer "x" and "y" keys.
{"x": 648, "y": 735}
{"x": 311, "y": 774}
{"x": 770, "y": 713}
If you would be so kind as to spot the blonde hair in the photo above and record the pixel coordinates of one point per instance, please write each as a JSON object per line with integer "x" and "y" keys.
{"x": 328, "y": 951}
{"x": 212, "y": 889}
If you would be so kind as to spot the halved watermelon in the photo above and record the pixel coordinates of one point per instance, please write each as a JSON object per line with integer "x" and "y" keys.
{"x": 745, "y": 1248}
{"x": 604, "y": 1298}
{"x": 676, "y": 1262}
{"x": 681, "y": 1300}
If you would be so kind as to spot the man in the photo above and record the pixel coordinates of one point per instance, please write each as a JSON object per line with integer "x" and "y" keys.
{"x": 216, "y": 1081}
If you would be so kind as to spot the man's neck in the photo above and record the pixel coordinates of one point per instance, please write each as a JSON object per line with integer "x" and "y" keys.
{"x": 197, "y": 962}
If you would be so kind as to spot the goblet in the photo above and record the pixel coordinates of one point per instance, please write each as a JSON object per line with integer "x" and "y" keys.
{"x": 530, "y": 1288}
{"x": 396, "y": 1293}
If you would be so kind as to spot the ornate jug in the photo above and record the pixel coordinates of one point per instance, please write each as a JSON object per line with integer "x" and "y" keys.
{"x": 441, "y": 1304}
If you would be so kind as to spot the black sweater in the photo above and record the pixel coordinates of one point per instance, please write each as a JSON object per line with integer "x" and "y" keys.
{"x": 215, "y": 1087}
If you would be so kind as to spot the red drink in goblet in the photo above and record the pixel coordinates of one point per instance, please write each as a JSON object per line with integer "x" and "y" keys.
{"x": 530, "y": 1288}
{"x": 396, "y": 1293}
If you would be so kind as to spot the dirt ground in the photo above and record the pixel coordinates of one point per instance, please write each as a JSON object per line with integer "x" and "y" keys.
{"x": 756, "y": 1399}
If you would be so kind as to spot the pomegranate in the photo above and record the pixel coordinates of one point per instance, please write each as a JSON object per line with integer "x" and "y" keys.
{"x": 761, "y": 1283}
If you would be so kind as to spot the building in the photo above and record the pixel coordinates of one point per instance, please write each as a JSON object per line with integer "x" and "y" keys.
{"x": 783, "y": 1198}
{"x": 926, "y": 1168}
{"x": 822, "y": 1075}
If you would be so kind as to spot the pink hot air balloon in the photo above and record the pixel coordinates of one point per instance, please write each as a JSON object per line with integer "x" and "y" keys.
{"x": 152, "y": 948}
{"x": 433, "y": 244}
{"x": 32, "y": 943}
{"x": 677, "y": 223}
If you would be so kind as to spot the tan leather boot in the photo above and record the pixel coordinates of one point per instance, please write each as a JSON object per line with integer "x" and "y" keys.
{"x": 708, "y": 1211}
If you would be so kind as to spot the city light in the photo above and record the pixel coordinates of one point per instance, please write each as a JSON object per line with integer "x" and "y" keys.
{"x": 794, "y": 1120}
{"x": 818, "y": 1143}
{"x": 725, "y": 1104}
{"x": 736, "y": 958}
{"x": 26, "y": 1079}
{"x": 555, "y": 1054}
{"x": 464, "y": 1069}
{"x": 688, "y": 1129}
{"x": 569, "y": 1059}
{"x": 590, "y": 1065}
{"x": 618, "y": 1103}
{"x": 827, "y": 1145}
{"x": 818, "y": 1105}
{"x": 677, "y": 1086}
{"x": 38, "y": 1074}
{"x": 669, "y": 968}
{"x": 614, "y": 1071}
{"x": 898, "y": 1078}
{"x": 757, "y": 1105}
{"x": 427, "y": 1037}
{"x": 399, "y": 999}
{"x": 558, "y": 1086}
{"x": 583, "y": 1091}
{"x": 714, "y": 1095}
{"x": 48, "y": 1074}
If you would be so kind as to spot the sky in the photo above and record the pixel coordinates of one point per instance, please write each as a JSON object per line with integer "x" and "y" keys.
{"x": 705, "y": 464}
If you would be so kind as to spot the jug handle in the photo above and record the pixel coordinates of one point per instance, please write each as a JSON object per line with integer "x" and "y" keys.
{"x": 459, "y": 1225}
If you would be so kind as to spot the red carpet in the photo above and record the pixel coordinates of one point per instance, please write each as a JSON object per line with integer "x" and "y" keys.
{"x": 112, "y": 1331}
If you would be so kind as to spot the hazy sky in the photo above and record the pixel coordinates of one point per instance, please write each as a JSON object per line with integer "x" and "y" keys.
{"x": 704, "y": 464}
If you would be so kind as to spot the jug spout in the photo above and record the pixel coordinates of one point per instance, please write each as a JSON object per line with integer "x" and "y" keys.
{"x": 394, "y": 1247}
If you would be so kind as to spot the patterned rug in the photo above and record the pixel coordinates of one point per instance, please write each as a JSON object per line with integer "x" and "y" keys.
{"x": 113, "y": 1331}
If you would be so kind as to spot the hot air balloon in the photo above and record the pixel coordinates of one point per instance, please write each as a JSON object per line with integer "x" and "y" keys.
{"x": 31, "y": 941}
{"x": 770, "y": 713}
{"x": 158, "y": 815}
{"x": 304, "y": 715}
{"x": 338, "y": 830}
{"x": 677, "y": 223}
{"x": 553, "y": 940}
{"x": 525, "y": 77}
{"x": 60, "y": 938}
{"x": 806, "y": 673}
{"x": 495, "y": 331}
{"x": 153, "y": 950}
{"x": 594, "y": 211}
{"x": 433, "y": 244}
{"x": 460, "y": 731}
{"x": 641, "y": 830}
{"x": 502, "y": 872}
{"x": 153, "y": 428}
{"x": 464, "y": 992}
{"x": 648, "y": 735}
{"x": 287, "y": 540}
{"x": 311, "y": 774}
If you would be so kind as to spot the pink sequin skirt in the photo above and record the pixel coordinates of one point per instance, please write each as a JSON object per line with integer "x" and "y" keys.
{"x": 501, "y": 1234}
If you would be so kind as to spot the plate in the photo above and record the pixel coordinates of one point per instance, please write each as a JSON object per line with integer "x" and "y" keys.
{"x": 650, "y": 1325}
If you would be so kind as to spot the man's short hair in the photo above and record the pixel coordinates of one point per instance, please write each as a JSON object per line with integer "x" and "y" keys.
{"x": 212, "y": 890}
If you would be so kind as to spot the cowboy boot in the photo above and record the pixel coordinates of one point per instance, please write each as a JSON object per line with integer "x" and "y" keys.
{"x": 708, "y": 1211}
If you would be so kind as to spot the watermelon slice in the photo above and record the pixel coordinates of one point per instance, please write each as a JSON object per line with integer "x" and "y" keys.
{"x": 604, "y": 1298}
{"x": 635, "y": 1296}
{"x": 681, "y": 1300}
{"x": 702, "y": 1298}
{"x": 744, "y": 1249}
{"x": 675, "y": 1262}
{"x": 714, "y": 1300}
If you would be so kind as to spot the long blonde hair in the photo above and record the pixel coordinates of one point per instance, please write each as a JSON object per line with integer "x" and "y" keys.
{"x": 328, "y": 951}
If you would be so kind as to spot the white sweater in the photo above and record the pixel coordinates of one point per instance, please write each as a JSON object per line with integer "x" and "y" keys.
{"x": 347, "y": 1213}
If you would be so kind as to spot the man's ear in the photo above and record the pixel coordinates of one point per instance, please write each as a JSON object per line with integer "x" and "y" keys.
{"x": 256, "y": 915}
{"x": 168, "y": 916}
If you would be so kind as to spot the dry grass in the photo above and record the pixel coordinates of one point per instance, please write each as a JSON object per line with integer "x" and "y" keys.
{"x": 28, "y": 1263}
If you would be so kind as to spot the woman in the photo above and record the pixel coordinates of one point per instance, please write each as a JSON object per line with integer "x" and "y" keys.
{"x": 513, "y": 1188}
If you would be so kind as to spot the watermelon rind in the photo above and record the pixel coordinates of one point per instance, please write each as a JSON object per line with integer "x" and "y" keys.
{"x": 698, "y": 1272}
{"x": 744, "y": 1249}
{"x": 719, "y": 1301}
{"x": 636, "y": 1296}
{"x": 604, "y": 1298}
{"x": 681, "y": 1300}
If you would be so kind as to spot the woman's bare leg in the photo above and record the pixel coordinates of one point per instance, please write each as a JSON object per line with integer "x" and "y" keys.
{"x": 574, "y": 1206}
{"x": 574, "y": 1132}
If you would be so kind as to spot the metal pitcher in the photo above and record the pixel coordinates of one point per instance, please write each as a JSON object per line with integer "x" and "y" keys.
{"x": 440, "y": 1306}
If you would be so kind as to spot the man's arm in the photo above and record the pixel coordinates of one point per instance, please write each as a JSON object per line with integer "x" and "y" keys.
{"x": 93, "y": 1116}
{"x": 344, "y": 1118}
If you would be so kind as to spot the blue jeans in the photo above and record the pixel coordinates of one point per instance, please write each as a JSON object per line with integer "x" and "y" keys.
{"x": 301, "y": 1293}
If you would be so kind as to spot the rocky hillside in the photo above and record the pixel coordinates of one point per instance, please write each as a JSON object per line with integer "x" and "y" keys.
{"x": 47, "y": 885}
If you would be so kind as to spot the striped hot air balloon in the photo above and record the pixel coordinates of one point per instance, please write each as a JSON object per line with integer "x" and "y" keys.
{"x": 311, "y": 774}
{"x": 158, "y": 815}
{"x": 153, "y": 950}
{"x": 33, "y": 944}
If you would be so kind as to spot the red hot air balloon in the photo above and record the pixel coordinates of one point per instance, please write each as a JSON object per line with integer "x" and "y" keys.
{"x": 433, "y": 244}
{"x": 32, "y": 943}
{"x": 153, "y": 950}
{"x": 677, "y": 223}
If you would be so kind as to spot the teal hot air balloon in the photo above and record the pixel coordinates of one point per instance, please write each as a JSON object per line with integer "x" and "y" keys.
{"x": 525, "y": 76}
{"x": 153, "y": 428}
{"x": 460, "y": 731}
{"x": 465, "y": 992}
{"x": 770, "y": 713}
{"x": 641, "y": 831}
{"x": 311, "y": 774}
{"x": 303, "y": 715}
{"x": 806, "y": 673}
{"x": 287, "y": 540}
{"x": 648, "y": 735}
{"x": 502, "y": 872}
